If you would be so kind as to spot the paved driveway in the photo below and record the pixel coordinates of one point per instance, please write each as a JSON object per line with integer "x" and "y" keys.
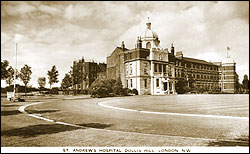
{"x": 101, "y": 126}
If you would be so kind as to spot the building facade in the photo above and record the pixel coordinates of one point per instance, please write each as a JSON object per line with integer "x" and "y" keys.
{"x": 115, "y": 64}
{"x": 85, "y": 73}
{"x": 153, "y": 70}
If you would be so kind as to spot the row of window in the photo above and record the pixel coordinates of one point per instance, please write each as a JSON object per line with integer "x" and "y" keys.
{"x": 206, "y": 77}
{"x": 129, "y": 69}
{"x": 198, "y": 66}
{"x": 162, "y": 68}
{"x": 131, "y": 83}
{"x": 198, "y": 76}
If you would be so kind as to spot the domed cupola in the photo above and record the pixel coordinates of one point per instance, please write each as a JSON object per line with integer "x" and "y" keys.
{"x": 228, "y": 60}
{"x": 149, "y": 38}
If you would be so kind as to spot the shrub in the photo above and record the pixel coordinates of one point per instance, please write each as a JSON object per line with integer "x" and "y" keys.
{"x": 126, "y": 91}
{"x": 54, "y": 90}
{"x": 100, "y": 88}
{"x": 117, "y": 87}
{"x": 85, "y": 91}
{"x": 135, "y": 92}
{"x": 187, "y": 89}
{"x": 147, "y": 93}
{"x": 179, "y": 86}
{"x": 109, "y": 87}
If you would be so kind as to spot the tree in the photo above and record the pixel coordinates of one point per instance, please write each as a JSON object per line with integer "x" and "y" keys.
{"x": 66, "y": 82}
{"x": 245, "y": 82}
{"x": 4, "y": 70}
{"x": 179, "y": 86}
{"x": 41, "y": 82}
{"x": 10, "y": 75}
{"x": 99, "y": 88}
{"x": 117, "y": 87}
{"x": 25, "y": 75}
{"x": 53, "y": 74}
{"x": 109, "y": 87}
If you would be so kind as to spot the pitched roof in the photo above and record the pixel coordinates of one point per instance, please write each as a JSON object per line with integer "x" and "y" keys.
{"x": 197, "y": 61}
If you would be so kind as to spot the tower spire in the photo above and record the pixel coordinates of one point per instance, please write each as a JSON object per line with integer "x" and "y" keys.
{"x": 123, "y": 45}
{"x": 148, "y": 24}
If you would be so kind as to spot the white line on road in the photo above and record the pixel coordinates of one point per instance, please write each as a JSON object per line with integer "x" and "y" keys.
{"x": 174, "y": 114}
{"x": 22, "y": 109}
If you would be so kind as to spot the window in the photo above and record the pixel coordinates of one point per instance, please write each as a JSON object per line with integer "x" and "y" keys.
{"x": 126, "y": 69}
{"x": 130, "y": 55}
{"x": 157, "y": 82}
{"x": 145, "y": 83}
{"x": 164, "y": 68}
{"x": 131, "y": 69}
{"x": 148, "y": 45}
{"x": 155, "y": 67}
{"x": 169, "y": 71}
{"x": 127, "y": 83}
{"x": 145, "y": 69}
{"x": 160, "y": 67}
{"x": 131, "y": 83}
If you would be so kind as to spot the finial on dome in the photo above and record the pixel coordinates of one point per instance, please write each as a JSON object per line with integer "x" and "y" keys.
{"x": 148, "y": 24}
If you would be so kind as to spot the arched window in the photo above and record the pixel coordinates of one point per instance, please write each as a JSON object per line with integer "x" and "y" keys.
{"x": 148, "y": 45}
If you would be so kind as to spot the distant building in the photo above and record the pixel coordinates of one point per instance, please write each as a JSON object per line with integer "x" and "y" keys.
{"x": 153, "y": 70}
{"x": 85, "y": 73}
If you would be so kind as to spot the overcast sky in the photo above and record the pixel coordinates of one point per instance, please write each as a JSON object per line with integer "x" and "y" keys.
{"x": 57, "y": 33}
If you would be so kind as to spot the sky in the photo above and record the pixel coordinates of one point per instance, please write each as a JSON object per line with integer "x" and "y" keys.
{"x": 57, "y": 33}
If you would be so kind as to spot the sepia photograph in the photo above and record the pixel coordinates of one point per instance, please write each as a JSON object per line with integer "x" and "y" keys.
{"x": 125, "y": 76}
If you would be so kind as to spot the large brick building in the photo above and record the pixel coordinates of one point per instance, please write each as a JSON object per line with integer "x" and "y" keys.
{"x": 85, "y": 72}
{"x": 153, "y": 70}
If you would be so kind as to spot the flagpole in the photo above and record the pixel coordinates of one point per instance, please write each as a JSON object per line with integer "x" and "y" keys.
{"x": 227, "y": 52}
{"x": 15, "y": 72}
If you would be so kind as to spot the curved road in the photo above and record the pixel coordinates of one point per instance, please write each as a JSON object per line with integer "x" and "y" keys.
{"x": 89, "y": 124}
